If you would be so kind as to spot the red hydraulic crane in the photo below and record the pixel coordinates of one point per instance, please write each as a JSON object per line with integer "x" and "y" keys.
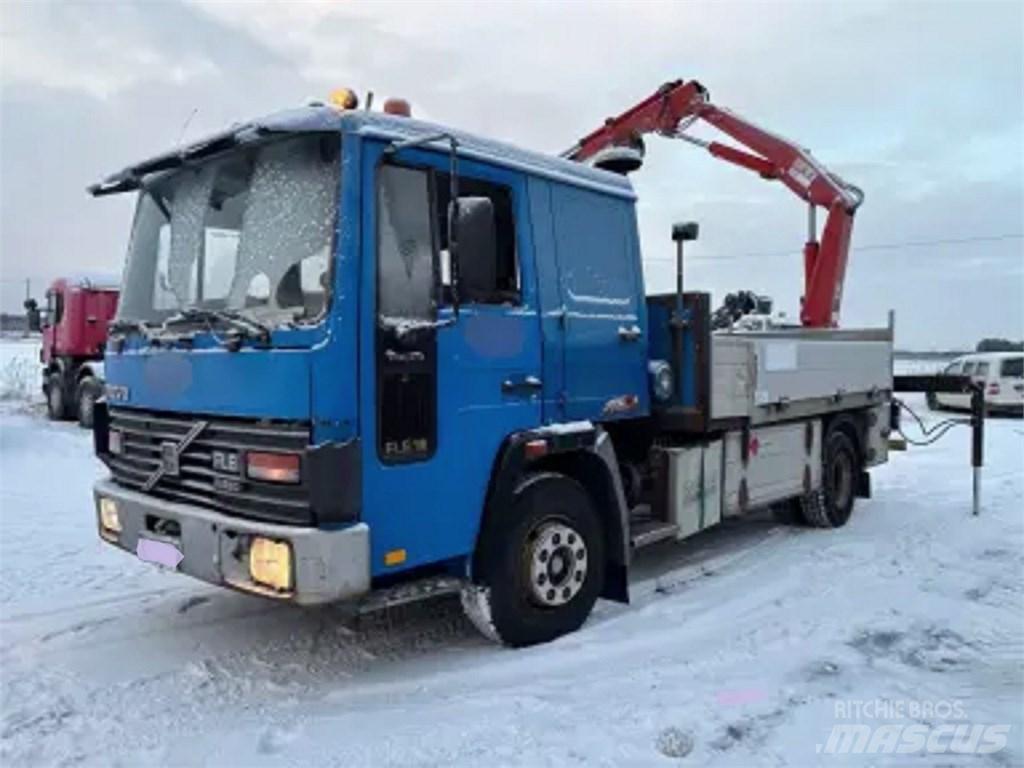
{"x": 677, "y": 105}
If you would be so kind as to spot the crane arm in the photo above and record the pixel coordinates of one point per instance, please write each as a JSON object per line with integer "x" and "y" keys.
{"x": 675, "y": 106}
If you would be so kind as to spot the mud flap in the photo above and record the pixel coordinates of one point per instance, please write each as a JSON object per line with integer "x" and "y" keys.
{"x": 616, "y": 582}
{"x": 863, "y": 489}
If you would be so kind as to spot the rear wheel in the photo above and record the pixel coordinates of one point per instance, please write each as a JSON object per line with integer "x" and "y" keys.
{"x": 56, "y": 399}
{"x": 541, "y": 567}
{"x": 88, "y": 394}
{"x": 831, "y": 505}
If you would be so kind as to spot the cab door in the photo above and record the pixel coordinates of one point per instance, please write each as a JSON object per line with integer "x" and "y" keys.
{"x": 447, "y": 388}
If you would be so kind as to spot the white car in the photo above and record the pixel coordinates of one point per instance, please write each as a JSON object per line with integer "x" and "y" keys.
{"x": 1002, "y": 374}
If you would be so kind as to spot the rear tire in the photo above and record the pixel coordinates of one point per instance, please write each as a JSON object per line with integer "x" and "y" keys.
{"x": 56, "y": 399}
{"x": 831, "y": 505}
{"x": 86, "y": 397}
{"x": 541, "y": 566}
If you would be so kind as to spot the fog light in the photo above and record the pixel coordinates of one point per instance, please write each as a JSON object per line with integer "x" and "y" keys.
{"x": 270, "y": 563}
{"x": 109, "y": 518}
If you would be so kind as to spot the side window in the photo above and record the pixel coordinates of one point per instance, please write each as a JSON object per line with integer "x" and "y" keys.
{"x": 968, "y": 369}
{"x": 506, "y": 289}
{"x": 58, "y": 307}
{"x": 51, "y": 305}
{"x": 981, "y": 370}
{"x": 953, "y": 368}
{"x": 405, "y": 246}
{"x": 1012, "y": 368}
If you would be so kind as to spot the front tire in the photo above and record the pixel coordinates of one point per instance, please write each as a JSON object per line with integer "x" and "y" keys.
{"x": 56, "y": 400}
{"x": 87, "y": 395}
{"x": 541, "y": 566}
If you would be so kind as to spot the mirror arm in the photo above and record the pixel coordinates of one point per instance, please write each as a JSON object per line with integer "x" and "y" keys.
{"x": 453, "y": 226}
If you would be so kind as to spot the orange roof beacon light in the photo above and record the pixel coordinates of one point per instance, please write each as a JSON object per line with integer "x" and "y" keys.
{"x": 343, "y": 98}
{"x": 397, "y": 107}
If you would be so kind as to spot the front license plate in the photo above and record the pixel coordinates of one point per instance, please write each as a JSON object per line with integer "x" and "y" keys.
{"x": 159, "y": 552}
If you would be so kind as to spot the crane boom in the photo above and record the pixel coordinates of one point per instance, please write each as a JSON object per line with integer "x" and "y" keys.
{"x": 676, "y": 105}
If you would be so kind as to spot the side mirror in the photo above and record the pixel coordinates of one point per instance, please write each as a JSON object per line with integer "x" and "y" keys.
{"x": 476, "y": 252}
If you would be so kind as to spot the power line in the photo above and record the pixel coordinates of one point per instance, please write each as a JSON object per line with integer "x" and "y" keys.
{"x": 859, "y": 248}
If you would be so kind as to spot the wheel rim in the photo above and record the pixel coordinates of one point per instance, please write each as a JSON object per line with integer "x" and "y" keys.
{"x": 841, "y": 486}
{"x": 556, "y": 563}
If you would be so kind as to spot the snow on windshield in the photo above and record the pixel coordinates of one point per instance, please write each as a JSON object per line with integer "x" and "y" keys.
{"x": 289, "y": 218}
{"x": 251, "y": 231}
{"x": 187, "y": 215}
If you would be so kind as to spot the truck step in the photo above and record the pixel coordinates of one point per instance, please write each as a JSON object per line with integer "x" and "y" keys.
{"x": 422, "y": 589}
{"x": 650, "y": 532}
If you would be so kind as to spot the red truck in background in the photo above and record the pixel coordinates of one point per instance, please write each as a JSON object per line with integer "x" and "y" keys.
{"x": 78, "y": 312}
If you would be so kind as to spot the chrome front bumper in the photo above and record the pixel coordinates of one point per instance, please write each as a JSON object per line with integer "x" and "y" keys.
{"x": 328, "y": 565}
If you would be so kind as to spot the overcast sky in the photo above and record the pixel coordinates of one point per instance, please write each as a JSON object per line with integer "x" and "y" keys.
{"x": 921, "y": 104}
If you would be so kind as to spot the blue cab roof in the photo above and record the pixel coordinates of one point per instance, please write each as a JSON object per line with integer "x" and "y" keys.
{"x": 375, "y": 125}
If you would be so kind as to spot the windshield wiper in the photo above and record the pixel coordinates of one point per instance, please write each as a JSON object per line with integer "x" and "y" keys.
{"x": 238, "y": 322}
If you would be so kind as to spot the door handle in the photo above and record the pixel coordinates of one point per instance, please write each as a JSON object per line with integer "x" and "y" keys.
{"x": 529, "y": 383}
{"x": 630, "y": 332}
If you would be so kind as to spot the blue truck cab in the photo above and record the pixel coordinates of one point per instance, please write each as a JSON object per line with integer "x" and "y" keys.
{"x": 310, "y": 396}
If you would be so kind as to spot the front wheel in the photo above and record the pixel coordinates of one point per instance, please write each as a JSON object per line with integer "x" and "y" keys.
{"x": 88, "y": 394}
{"x": 56, "y": 401}
{"x": 541, "y": 566}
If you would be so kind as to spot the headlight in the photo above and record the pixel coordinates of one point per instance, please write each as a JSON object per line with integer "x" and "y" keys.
{"x": 115, "y": 442}
{"x": 663, "y": 381}
{"x": 110, "y": 520}
{"x": 270, "y": 563}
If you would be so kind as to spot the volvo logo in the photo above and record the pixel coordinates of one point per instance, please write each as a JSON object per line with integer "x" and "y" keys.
{"x": 170, "y": 456}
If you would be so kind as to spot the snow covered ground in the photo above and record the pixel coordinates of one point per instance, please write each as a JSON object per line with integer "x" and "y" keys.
{"x": 19, "y": 370}
{"x": 743, "y": 647}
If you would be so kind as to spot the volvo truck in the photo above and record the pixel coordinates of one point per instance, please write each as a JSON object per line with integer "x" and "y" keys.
{"x": 357, "y": 352}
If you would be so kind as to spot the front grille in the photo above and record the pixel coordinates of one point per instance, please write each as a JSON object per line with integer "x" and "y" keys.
{"x": 146, "y": 434}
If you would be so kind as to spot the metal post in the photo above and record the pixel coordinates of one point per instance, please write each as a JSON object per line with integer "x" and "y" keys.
{"x": 679, "y": 277}
{"x": 677, "y": 323}
{"x": 977, "y": 444}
